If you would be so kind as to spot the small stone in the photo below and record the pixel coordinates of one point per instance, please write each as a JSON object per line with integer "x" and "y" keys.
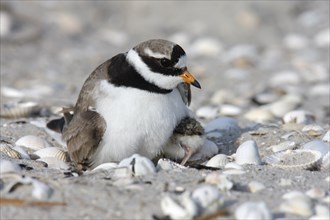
{"x": 229, "y": 110}
{"x": 255, "y": 186}
{"x": 322, "y": 38}
{"x": 207, "y": 112}
{"x": 295, "y": 41}
{"x": 253, "y": 211}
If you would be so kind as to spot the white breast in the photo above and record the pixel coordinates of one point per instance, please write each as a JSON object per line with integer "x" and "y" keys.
{"x": 137, "y": 121}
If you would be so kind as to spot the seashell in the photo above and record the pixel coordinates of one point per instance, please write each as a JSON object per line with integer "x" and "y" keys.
{"x": 327, "y": 179}
{"x": 208, "y": 150}
{"x": 297, "y": 203}
{"x": 54, "y": 163}
{"x": 183, "y": 208}
{"x": 218, "y": 161}
{"x": 295, "y": 41}
{"x": 265, "y": 98}
{"x": 7, "y": 166}
{"x": 122, "y": 172}
{"x": 205, "y": 47}
{"x": 236, "y": 73}
{"x": 313, "y": 130}
{"x": 255, "y": 186}
{"x": 299, "y": 117}
{"x": 9, "y": 151}
{"x": 221, "y": 181}
{"x": 139, "y": 165}
{"x": 32, "y": 142}
{"x": 233, "y": 172}
{"x": 52, "y": 152}
{"x": 11, "y": 92}
{"x": 223, "y": 123}
{"x": 41, "y": 190}
{"x": 20, "y": 110}
{"x": 207, "y": 112}
{"x": 261, "y": 114}
{"x": 325, "y": 164}
{"x": 221, "y": 96}
{"x": 105, "y": 166}
{"x": 6, "y": 23}
{"x": 208, "y": 198}
{"x": 321, "y": 39}
{"x": 294, "y": 159}
{"x": 316, "y": 193}
{"x": 241, "y": 55}
{"x": 248, "y": 153}
{"x": 233, "y": 165}
{"x": 229, "y": 110}
{"x": 253, "y": 210}
{"x": 320, "y": 90}
{"x": 326, "y": 199}
{"x": 317, "y": 145}
{"x": 287, "y": 145}
{"x": 321, "y": 212}
{"x": 22, "y": 152}
{"x": 284, "y": 78}
{"x": 326, "y": 137}
{"x": 285, "y": 104}
{"x": 166, "y": 164}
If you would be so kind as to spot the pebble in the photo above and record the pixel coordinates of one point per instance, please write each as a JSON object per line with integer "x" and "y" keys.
{"x": 220, "y": 180}
{"x": 283, "y": 146}
{"x": 320, "y": 89}
{"x": 313, "y": 130}
{"x": 205, "y": 47}
{"x": 316, "y": 193}
{"x": 295, "y": 41}
{"x": 253, "y": 211}
{"x": 248, "y": 153}
{"x": 218, "y": 161}
{"x": 241, "y": 55}
{"x": 32, "y": 142}
{"x": 260, "y": 115}
{"x": 317, "y": 145}
{"x": 326, "y": 137}
{"x": 207, "y": 112}
{"x": 208, "y": 198}
{"x": 322, "y": 38}
{"x": 321, "y": 213}
{"x": 229, "y": 110}
{"x": 297, "y": 203}
{"x": 299, "y": 117}
{"x": 7, "y": 166}
{"x": 221, "y": 96}
{"x": 284, "y": 78}
{"x": 6, "y": 23}
{"x": 139, "y": 165}
{"x": 255, "y": 186}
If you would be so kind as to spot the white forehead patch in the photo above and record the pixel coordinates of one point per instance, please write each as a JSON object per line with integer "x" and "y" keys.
{"x": 182, "y": 62}
{"x": 155, "y": 54}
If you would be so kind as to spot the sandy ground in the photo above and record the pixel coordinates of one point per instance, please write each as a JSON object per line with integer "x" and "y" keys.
{"x": 53, "y": 46}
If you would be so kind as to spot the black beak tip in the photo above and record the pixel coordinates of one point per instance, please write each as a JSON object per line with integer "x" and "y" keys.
{"x": 196, "y": 84}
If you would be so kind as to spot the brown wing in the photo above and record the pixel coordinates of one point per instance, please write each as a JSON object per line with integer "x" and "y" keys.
{"x": 185, "y": 92}
{"x": 83, "y": 135}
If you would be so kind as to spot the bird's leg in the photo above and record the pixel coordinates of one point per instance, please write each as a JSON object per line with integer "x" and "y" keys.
{"x": 187, "y": 154}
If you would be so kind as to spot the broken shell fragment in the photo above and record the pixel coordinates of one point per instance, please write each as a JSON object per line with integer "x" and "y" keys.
{"x": 248, "y": 153}
{"x": 297, "y": 203}
{"x": 208, "y": 198}
{"x": 32, "y": 142}
{"x": 299, "y": 117}
{"x": 313, "y": 130}
{"x": 20, "y": 110}
{"x": 218, "y": 161}
{"x": 253, "y": 210}
{"x": 9, "y": 151}
{"x": 287, "y": 145}
{"x": 220, "y": 180}
{"x": 294, "y": 159}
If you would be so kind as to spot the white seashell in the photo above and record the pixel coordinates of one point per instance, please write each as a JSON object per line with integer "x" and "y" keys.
{"x": 6, "y": 23}
{"x": 260, "y": 115}
{"x": 295, "y": 41}
{"x": 297, "y": 203}
{"x": 106, "y": 166}
{"x": 233, "y": 172}
{"x": 221, "y": 181}
{"x": 317, "y": 145}
{"x": 265, "y": 98}
{"x": 52, "y": 152}
{"x": 294, "y": 159}
{"x": 321, "y": 213}
{"x": 316, "y": 193}
{"x": 19, "y": 110}
{"x": 320, "y": 90}
{"x": 253, "y": 210}
{"x": 208, "y": 198}
{"x": 166, "y": 164}
{"x": 218, "y": 161}
{"x": 122, "y": 172}
{"x": 313, "y": 130}
{"x": 11, "y": 92}
{"x": 326, "y": 199}
{"x": 285, "y": 104}
{"x": 7, "y": 166}
{"x": 248, "y": 153}
{"x": 233, "y": 165}
{"x": 41, "y": 190}
{"x": 287, "y": 145}
{"x": 223, "y": 123}
{"x": 9, "y": 151}
{"x": 207, "y": 112}
{"x": 326, "y": 137}
{"x": 230, "y": 110}
{"x": 32, "y": 142}
{"x": 54, "y": 163}
{"x": 255, "y": 186}
{"x": 184, "y": 208}
{"x": 321, "y": 39}
{"x": 325, "y": 164}
{"x": 208, "y": 150}
{"x": 206, "y": 47}
{"x": 22, "y": 152}
{"x": 327, "y": 179}
{"x": 139, "y": 165}
{"x": 284, "y": 78}
{"x": 299, "y": 117}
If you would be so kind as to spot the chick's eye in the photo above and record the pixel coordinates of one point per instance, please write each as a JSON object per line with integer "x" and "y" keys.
{"x": 165, "y": 62}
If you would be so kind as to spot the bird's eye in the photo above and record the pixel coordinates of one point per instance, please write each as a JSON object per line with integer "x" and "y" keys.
{"x": 165, "y": 62}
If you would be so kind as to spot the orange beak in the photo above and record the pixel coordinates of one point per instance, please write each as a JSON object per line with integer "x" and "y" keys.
{"x": 188, "y": 78}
